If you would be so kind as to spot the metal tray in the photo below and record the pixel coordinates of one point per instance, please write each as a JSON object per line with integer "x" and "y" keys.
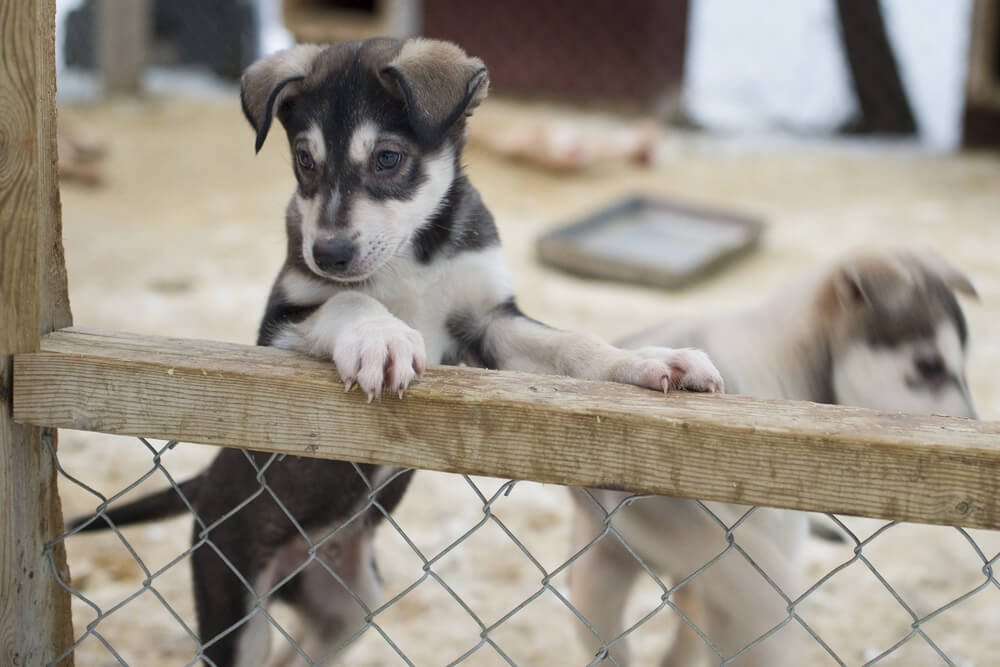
{"x": 649, "y": 241}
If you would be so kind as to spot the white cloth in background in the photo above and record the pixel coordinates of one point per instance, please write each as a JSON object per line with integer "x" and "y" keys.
{"x": 755, "y": 65}
{"x": 931, "y": 42}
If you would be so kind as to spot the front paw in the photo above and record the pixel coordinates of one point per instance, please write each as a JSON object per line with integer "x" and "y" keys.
{"x": 380, "y": 354}
{"x": 663, "y": 368}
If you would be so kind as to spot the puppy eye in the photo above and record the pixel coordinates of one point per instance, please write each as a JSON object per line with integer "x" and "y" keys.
{"x": 386, "y": 160}
{"x": 930, "y": 369}
{"x": 305, "y": 160}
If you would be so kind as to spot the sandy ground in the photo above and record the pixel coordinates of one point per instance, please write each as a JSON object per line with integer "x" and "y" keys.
{"x": 187, "y": 235}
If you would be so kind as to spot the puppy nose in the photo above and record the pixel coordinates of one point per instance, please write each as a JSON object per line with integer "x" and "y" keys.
{"x": 333, "y": 255}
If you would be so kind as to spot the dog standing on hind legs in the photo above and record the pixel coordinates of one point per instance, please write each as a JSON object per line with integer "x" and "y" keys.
{"x": 393, "y": 263}
{"x": 881, "y": 330}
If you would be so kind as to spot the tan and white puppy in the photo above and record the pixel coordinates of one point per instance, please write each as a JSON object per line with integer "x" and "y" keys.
{"x": 393, "y": 263}
{"x": 881, "y": 330}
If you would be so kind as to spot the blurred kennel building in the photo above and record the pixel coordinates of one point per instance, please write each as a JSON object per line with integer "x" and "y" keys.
{"x": 920, "y": 67}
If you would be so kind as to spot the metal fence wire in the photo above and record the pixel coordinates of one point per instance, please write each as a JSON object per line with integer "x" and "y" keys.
{"x": 485, "y": 643}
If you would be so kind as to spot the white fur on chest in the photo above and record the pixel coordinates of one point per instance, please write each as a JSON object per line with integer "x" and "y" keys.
{"x": 425, "y": 295}
{"x": 421, "y": 295}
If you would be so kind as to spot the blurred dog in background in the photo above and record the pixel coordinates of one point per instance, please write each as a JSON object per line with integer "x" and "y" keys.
{"x": 881, "y": 330}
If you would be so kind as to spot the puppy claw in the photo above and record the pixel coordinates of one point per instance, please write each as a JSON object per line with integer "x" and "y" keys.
{"x": 380, "y": 354}
{"x": 400, "y": 394}
{"x": 669, "y": 369}
{"x": 348, "y": 386}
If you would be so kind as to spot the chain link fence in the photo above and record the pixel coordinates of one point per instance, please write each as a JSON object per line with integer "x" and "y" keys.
{"x": 481, "y": 571}
{"x": 489, "y": 582}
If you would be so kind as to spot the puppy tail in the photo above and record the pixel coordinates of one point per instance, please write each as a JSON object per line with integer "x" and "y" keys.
{"x": 160, "y": 505}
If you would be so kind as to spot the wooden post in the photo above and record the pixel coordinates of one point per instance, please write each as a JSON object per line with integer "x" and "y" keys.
{"x": 981, "y": 119}
{"x": 35, "y": 621}
{"x": 983, "y": 80}
{"x": 885, "y": 107}
{"x": 122, "y": 30}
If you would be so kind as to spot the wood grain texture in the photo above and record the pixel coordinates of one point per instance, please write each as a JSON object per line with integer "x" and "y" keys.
{"x": 35, "y": 620}
{"x": 543, "y": 428}
{"x": 54, "y": 309}
{"x": 19, "y": 273}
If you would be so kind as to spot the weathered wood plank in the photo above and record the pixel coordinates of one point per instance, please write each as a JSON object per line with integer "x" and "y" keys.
{"x": 53, "y": 298}
{"x": 543, "y": 428}
{"x": 35, "y": 621}
{"x": 19, "y": 273}
{"x": 49, "y": 630}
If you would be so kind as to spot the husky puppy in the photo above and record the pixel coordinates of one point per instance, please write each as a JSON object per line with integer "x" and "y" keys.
{"x": 881, "y": 330}
{"x": 393, "y": 263}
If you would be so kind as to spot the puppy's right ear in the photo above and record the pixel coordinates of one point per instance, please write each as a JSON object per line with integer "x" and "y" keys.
{"x": 950, "y": 274}
{"x": 269, "y": 83}
{"x": 846, "y": 290}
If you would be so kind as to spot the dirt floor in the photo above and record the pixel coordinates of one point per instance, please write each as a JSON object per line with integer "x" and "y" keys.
{"x": 187, "y": 234}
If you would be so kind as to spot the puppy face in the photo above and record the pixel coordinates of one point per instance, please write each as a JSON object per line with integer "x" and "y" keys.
{"x": 365, "y": 185}
{"x": 903, "y": 339}
{"x": 925, "y": 375}
{"x": 375, "y": 130}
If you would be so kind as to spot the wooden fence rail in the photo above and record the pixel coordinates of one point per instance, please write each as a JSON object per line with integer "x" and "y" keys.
{"x": 514, "y": 425}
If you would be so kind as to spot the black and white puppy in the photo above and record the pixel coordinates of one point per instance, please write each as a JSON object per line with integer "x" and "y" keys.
{"x": 393, "y": 263}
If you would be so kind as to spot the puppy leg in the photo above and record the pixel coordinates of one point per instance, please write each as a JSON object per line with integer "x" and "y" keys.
{"x": 253, "y": 643}
{"x": 688, "y": 649}
{"x": 328, "y": 610}
{"x": 370, "y": 346}
{"x": 600, "y": 580}
{"x": 221, "y": 601}
{"x": 741, "y": 606}
{"x": 519, "y": 343}
{"x": 729, "y": 602}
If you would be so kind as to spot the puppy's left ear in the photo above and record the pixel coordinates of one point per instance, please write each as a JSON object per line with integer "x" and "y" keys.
{"x": 850, "y": 288}
{"x": 273, "y": 81}
{"x": 438, "y": 83}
